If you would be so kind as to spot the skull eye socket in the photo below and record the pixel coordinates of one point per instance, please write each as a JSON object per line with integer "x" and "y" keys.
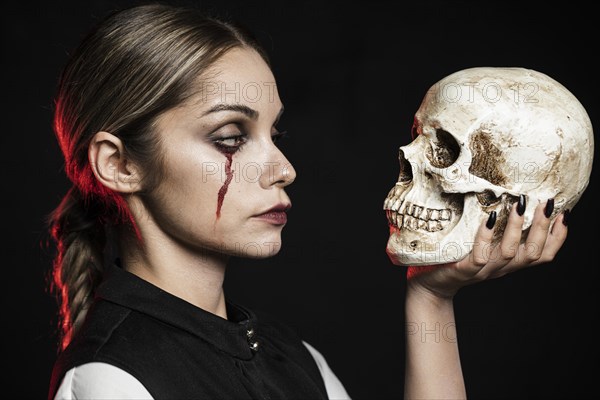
{"x": 444, "y": 149}
{"x": 487, "y": 198}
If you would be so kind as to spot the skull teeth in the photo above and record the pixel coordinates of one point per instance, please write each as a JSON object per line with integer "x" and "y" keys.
{"x": 445, "y": 215}
{"x": 414, "y": 217}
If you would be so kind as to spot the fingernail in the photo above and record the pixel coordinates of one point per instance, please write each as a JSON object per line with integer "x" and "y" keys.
{"x": 549, "y": 208}
{"x": 491, "y": 220}
{"x": 522, "y": 204}
{"x": 566, "y": 214}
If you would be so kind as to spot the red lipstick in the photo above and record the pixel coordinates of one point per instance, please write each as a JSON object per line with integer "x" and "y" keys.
{"x": 275, "y": 215}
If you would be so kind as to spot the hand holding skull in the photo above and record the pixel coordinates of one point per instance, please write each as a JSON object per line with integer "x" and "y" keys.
{"x": 482, "y": 138}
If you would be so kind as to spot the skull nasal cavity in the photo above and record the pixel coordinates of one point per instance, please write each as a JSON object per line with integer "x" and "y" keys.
{"x": 444, "y": 149}
{"x": 405, "y": 168}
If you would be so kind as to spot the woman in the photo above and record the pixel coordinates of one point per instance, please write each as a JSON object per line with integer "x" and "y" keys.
{"x": 160, "y": 114}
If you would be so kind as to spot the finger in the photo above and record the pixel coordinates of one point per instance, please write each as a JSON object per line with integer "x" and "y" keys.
{"x": 553, "y": 241}
{"x": 511, "y": 238}
{"x": 482, "y": 247}
{"x": 533, "y": 247}
{"x": 556, "y": 238}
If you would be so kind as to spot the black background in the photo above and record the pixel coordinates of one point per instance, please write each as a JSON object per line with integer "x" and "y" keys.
{"x": 351, "y": 78}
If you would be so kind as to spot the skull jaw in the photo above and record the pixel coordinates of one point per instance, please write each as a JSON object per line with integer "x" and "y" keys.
{"x": 418, "y": 248}
{"x": 402, "y": 250}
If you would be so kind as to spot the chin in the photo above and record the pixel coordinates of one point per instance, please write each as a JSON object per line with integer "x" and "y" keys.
{"x": 258, "y": 250}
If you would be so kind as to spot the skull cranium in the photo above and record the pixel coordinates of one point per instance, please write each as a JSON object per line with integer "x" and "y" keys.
{"x": 483, "y": 136}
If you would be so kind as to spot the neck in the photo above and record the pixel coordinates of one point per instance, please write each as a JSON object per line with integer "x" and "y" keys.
{"x": 193, "y": 275}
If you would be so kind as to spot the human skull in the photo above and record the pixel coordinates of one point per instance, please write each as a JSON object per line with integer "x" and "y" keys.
{"x": 481, "y": 137}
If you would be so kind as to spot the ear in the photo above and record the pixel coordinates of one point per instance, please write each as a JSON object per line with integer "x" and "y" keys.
{"x": 110, "y": 166}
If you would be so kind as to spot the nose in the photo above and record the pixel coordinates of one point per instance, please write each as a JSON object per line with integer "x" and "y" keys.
{"x": 278, "y": 170}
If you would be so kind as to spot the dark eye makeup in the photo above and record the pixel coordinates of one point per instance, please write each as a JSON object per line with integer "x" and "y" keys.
{"x": 231, "y": 143}
{"x": 234, "y": 141}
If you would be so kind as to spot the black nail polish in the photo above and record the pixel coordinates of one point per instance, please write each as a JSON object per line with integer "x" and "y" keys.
{"x": 491, "y": 220}
{"x": 549, "y": 208}
{"x": 566, "y": 214}
{"x": 522, "y": 204}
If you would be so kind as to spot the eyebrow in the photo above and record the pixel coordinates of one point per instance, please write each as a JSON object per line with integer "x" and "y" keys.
{"x": 247, "y": 111}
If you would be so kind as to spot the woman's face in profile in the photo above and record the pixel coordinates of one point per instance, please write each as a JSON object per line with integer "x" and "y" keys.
{"x": 222, "y": 169}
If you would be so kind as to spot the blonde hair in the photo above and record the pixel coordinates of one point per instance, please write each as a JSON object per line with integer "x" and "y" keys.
{"x": 135, "y": 65}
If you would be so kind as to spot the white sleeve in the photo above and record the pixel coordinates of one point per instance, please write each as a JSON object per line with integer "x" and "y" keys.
{"x": 98, "y": 380}
{"x": 335, "y": 389}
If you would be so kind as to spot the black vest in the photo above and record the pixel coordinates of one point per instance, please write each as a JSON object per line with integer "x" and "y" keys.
{"x": 179, "y": 351}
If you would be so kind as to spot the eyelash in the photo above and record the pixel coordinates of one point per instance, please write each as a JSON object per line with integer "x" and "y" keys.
{"x": 277, "y": 136}
{"x": 243, "y": 138}
{"x": 231, "y": 148}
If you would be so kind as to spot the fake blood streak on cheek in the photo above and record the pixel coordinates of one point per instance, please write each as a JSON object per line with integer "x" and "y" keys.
{"x": 223, "y": 189}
